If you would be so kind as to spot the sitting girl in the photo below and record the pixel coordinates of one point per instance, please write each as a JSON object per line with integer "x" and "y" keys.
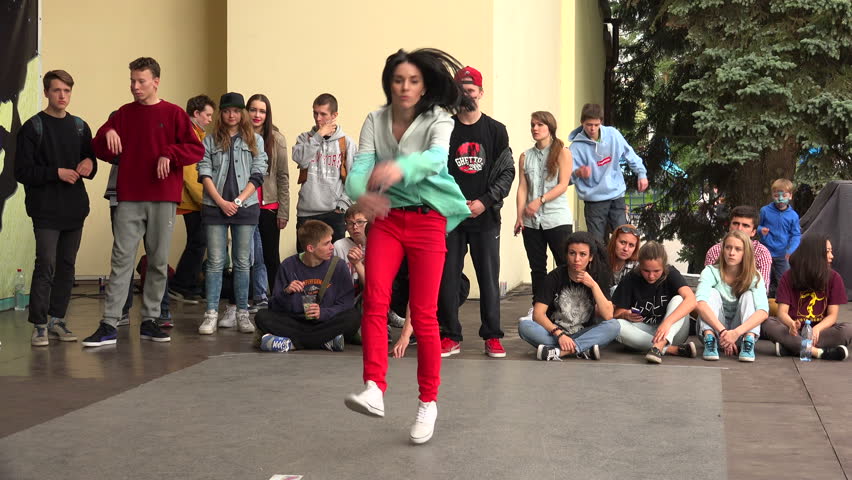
{"x": 568, "y": 303}
{"x": 731, "y": 300}
{"x": 622, "y": 250}
{"x": 652, "y": 305}
{"x": 810, "y": 290}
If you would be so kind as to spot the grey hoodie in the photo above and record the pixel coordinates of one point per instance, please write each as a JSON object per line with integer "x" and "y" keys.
{"x": 324, "y": 190}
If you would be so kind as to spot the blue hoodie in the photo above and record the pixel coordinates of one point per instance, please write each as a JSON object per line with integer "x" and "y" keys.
{"x": 784, "y": 232}
{"x": 607, "y": 181}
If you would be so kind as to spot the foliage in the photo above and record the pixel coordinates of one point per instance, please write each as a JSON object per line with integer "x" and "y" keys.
{"x": 734, "y": 92}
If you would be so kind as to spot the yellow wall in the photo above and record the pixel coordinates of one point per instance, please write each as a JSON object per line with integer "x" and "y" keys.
{"x": 545, "y": 58}
{"x": 94, "y": 40}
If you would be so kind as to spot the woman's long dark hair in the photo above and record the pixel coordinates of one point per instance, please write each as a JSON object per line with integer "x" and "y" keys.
{"x": 809, "y": 268}
{"x": 268, "y": 127}
{"x": 598, "y": 267}
{"x": 438, "y": 69}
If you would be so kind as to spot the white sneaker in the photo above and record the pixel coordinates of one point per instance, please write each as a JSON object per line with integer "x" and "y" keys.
{"x": 208, "y": 326}
{"x": 244, "y": 322}
{"x": 424, "y": 424}
{"x": 369, "y": 402}
{"x": 528, "y": 316}
{"x": 229, "y": 318}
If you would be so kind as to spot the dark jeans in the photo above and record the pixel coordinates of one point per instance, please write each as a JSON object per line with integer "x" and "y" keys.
{"x": 779, "y": 266}
{"x": 485, "y": 254}
{"x": 187, "y": 279}
{"x": 333, "y": 219}
{"x": 400, "y": 290}
{"x": 307, "y": 333}
{"x": 53, "y": 273}
{"x": 270, "y": 236}
{"x": 600, "y": 215}
{"x": 536, "y": 242}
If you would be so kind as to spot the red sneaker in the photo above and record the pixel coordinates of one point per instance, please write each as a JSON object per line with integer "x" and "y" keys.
{"x": 450, "y": 347}
{"x": 493, "y": 348}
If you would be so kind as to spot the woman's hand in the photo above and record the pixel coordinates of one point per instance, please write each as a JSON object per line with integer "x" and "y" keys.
{"x": 519, "y": 226}
{"x": 794, "y": 328}
{"x": 729, "y": 338}
{"x": 532, "y": 208}
{"x": 375, "y": 205}
{"x": 400, "y": 346}
{"x": 384, "y": 176}
{"x": 815, "y": 335}
{"x": 586, "y": 279}
{"x": 228, "y": 208}
{"x": 660, "y": 336}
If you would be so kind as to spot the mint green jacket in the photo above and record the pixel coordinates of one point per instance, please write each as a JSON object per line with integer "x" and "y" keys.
{"x": 422, "y": 155}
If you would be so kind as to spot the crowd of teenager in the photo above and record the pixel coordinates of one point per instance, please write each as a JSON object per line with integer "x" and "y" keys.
{"x": 423, "y": 186}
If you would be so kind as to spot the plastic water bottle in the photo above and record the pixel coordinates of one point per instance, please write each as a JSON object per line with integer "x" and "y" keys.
{"x": 20, "y": 298}
{"x": 807, "y": 342}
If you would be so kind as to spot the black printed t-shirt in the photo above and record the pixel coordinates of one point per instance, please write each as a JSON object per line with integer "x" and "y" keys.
{"x": 473, "y": 151}
{"x": 570, "y": 305}
{"x": 651, "y": 299}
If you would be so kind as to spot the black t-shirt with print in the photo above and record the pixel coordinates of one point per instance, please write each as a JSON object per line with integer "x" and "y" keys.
{"x": 651, "y": 298}
{"x": 473, "y": 150}
{"x": 570, "y": 305}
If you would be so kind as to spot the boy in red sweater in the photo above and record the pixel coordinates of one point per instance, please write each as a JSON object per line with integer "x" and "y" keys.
{"x": 155, "y": 140}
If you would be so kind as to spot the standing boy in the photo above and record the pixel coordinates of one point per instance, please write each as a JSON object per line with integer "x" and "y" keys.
{"x": 312, "y": 303}
{"x": 54, "y": 156}
{"x": 597, "y": 151}
{"x": 185, "y": 285}
{"x": 779, "y": 230}
{"x": 324, "y": 155}
{"x": 155, "y": 140}
{"x": 481, "y": 163}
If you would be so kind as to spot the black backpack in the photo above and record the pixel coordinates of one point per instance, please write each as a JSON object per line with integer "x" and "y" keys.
{"x": 39, "y": 128}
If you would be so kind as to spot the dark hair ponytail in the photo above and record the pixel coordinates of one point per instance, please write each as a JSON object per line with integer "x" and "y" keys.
{"x": 438, "y": 69}
{"x": 809, "y": 268}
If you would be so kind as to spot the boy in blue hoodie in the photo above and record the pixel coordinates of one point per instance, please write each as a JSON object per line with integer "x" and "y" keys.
{"x": 597, "y": 151}
{"x": 779, "y": 230}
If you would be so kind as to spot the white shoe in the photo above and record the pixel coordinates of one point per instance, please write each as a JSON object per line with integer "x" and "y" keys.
{"x": 244, "y": 322}
{"x": 208, "y": 326}
{"x": 369, "y": 402}
{"x": 229, "y": 318}
{"x": 528, "y": 316}
{"x": 424, "y": 424}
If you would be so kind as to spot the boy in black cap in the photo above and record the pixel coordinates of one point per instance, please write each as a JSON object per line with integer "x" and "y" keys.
{"x": 482, "y": 165}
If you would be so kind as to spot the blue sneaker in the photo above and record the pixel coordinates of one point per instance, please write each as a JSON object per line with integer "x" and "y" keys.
{"x": 747, "y": 349}
{"x": 104, "y": 335}
{"x": 271, "y": 343}
{"x": 334, "y": 345}
{"x": 711, "y": 351}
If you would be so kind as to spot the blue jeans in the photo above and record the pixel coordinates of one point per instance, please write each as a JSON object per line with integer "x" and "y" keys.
{"x": 217, "y": 250}
{"x": 779, "y": 266}
{"x": 258, "y": 267}
{"x": 601, "y": 335}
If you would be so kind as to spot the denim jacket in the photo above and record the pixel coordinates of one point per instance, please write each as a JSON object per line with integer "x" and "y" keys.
{"x": 249, "y": 168}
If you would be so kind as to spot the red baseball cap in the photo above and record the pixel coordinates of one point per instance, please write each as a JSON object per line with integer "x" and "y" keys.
{"x": 469, "y": 75}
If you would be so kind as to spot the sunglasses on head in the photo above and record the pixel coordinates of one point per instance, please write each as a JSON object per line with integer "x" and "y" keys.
{"x": 630, "y": 230}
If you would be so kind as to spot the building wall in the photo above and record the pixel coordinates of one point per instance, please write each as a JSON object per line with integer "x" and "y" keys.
{"x": 187, "y": 38}
{"x": 547, "y": 58}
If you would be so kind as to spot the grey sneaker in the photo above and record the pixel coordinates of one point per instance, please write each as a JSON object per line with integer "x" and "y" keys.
{"x": 334, "y": 345}
{"x": 545, "y": 353}
{"x": 654, "y": 355}
{"x": 40, "y": 336}
{"x": 395, "y": 320}
{"x": 57, "y": 328}
{"x": 593, "y": 353}
{"x": 123, "y": 321}
{"x": 244, "y": 322}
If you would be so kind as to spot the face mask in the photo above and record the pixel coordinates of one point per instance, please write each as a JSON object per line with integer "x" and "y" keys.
{"x": 782, "y": 199}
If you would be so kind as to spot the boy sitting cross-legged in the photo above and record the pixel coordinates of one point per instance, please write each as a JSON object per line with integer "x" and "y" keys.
{"x": 312, "y": 301}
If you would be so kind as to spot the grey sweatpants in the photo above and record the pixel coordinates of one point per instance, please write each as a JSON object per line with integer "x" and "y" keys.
{"x": 152, "y": 222}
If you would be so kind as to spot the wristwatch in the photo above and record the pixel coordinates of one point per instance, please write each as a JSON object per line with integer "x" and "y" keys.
{"x": 238, "y": 202}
